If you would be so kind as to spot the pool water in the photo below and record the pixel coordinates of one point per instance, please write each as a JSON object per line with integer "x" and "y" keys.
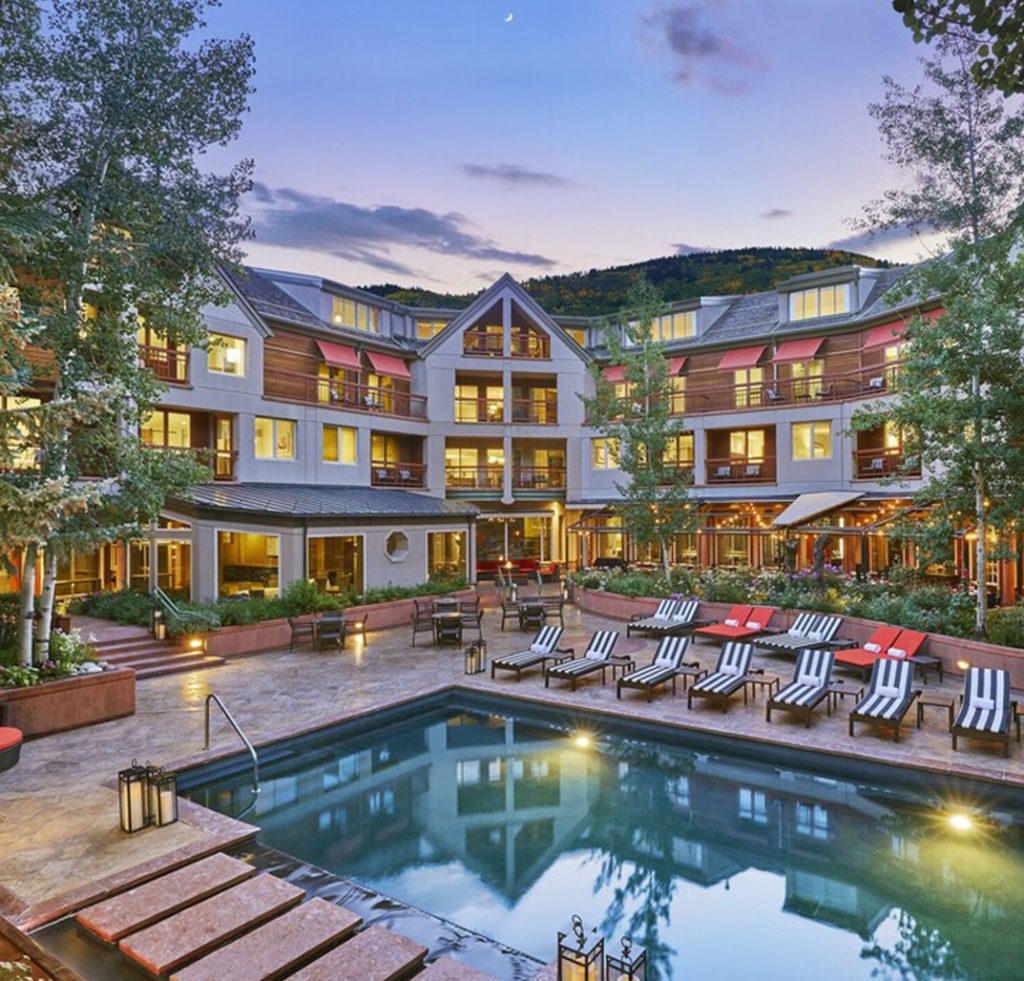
{"x": 507, "y": 820}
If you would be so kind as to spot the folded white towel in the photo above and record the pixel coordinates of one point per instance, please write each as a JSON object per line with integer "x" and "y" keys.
{"x": 986, "y": 704}
{"x": 538, "y": 648}
{"x": 897, "y": 652}
{"x": 874, "y": 648}
{"x": 732, "y": 623}
{"x": 753, "y": 624}
{"x": 889, "y": 691}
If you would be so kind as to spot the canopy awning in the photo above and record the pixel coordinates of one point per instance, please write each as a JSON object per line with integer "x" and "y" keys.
{"x": 801, "y": 350}
{"x": 808, "y": 506}
{"x": 388, "y": 364}
{"x": 890, "y": 333}
{"x": 339, "y": 356}
{"x": 743, "y": 357}
{"x": 675, "y": 366}
{"x": 615, "y": 373}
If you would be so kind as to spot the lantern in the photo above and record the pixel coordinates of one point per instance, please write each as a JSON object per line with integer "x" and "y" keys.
{"x": 158, "y": 625}
{"x": 580, "y": 953}
{"x": 630, "y": 965}
{"x": 163, "y": 796}
{"x": 476, "y": 657}
{"x": 133, "y": 796}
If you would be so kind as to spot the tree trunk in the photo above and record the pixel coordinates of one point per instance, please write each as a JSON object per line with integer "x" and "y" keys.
{"x": 46, "y": 601}
{"x": 26, "y": 612}
{"x": 666, "y": 566}
{"x": 980, "y": 555}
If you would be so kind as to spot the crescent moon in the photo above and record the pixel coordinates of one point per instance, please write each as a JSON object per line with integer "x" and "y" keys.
{"x": 510, "y": 18}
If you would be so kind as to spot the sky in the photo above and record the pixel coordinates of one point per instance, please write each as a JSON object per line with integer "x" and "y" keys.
{"x": 443, "y": 142}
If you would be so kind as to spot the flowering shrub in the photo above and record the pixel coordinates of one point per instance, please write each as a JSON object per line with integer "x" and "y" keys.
{"x": 69, "y": 656}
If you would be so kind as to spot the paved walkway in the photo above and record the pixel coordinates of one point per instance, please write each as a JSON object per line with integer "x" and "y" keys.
{"x": 60, "y": 846}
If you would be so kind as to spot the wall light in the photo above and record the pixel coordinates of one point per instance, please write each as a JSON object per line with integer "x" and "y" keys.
{"x": 963, "y": 665}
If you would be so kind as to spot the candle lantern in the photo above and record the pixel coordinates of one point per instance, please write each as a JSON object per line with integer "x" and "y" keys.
{"x": 133, "y": 796}
{"x": 580, "y": 953}
{"x": 163, "y": 796}
{"x": 158, "y": 625}
{"x": 629, "y": 965}
{"x": 476, "y": 657}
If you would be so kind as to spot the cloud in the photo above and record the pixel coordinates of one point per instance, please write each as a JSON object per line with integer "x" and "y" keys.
{"x": 773, "y": 213}
{"x": 703, "y": 50}
{"x": 512, "y": 175}
{"x": 294, "y": 219}
{"x": 682, "y": 249}
{"x": 866, "y": 240}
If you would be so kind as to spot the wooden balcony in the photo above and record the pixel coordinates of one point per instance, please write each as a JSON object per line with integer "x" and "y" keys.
{"x": 538, "y": 478}
{"x": 740, "y": 470}
{"x": 881, "y": 462}
{"x": 167, "y": 364}
{"x": 391, "y": 474}
{"x": 479, "y": 410}
{"x": 481, "y": 344}
{"x": 486, "y": 477}
{"x": 350, "y": 396}
{"x": 529, "y": 344}
{"x": 536, "y": 412}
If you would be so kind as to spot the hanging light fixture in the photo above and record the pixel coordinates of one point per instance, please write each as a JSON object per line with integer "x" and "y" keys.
{"x": 133, "y": 797}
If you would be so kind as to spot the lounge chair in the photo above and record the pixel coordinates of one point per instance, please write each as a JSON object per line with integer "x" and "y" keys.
{"x": 682, "y": 616}
{"x": 735, "y": 618}
{"x": 543, "y": 649}
{"x": 10, "y": 747}
{"x": 808, "y": 688}
{"x": 668, "y": 659}
{"x": 907, "y": 647}
{"x": 729, "y": 676}
{"x": 595, "y": 658}
{"x": 742, "y": 628}
{"x": 808, "y": 630}
{"x": 658, "y": 620}
{"x": 889, "y": 696}
{"x": 862, "y": 659}
{"x": 985, "y": 707}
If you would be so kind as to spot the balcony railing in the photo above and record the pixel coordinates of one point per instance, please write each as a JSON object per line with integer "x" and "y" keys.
{"x": 354, "y": 397}
{"x": 481, "y": 344}
{"x": 685, "y": 470}
{"x": 740, "y": 470}
{"x": 536, "y": 412}
{"x": 167, "y": 364}
{"x": 220, "y": 462}
{"x": 874, "y": 464}
{"x": 529, "y": 344}
{"x": 479, "y": 410}
{"x": 538, "y": 478}
{"x": 397, "y": 474}
{"x": 481, "y": 477}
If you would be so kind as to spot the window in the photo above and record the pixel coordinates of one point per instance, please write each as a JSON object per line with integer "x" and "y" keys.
{"x": 748, "y": 386}
{"x": 335, "y": 563}
{"x": 339, "y": 444}
{"x": 349, "y": 313}
{"x": 227, "y": 355}
{"x": 674, "y": 326}
{"x": 822, "y": 301}
{"x": 679, "y": 450}
{"x": 247, "y": 564}
{"x": 753, "y": 806}
{"x": 811, "y": 819}
{"x": 167, "y": 429}
{"x": 446, "y": 553}
{"x": 425, "y": 329}
{"x": 578, "y": 334}
{"x": 23, "y": 453}
{"x": 748, "y": 444}
{"x": 893, "y": 355}
{"x": 806, "y": 377}
{"x": 812, "y": 440}
{"x": 606, "y": 453}
{"x": 275, "y": 439}
{"x": 397, "y": 546}
{"x": 677, "y": 384}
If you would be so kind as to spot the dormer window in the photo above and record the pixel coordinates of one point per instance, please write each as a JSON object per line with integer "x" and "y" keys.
{"x": 821, "y": 301}
{"x": 426, "y": 329}
{"x": 349, "y": 313}
{"x": 674, "y": 326}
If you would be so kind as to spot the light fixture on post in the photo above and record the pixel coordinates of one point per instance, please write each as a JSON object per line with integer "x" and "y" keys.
{"x": 580, "y": 954}
{"x": 476, "y": 657}
{"x": 163, "y": 796}
{"x": 133, "y": 797}
{"x": 629, "y": 965}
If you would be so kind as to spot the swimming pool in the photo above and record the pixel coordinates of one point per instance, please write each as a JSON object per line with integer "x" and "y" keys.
{"x": 723, "y": 860}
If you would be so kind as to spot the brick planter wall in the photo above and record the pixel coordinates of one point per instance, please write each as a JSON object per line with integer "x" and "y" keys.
{"x": 70, "y": 703}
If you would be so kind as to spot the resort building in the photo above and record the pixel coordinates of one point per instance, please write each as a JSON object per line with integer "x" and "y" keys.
{"x": 357, "y": 442}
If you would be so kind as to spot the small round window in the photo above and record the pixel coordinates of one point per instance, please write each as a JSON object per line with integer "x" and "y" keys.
{"x": 397, "y": 546}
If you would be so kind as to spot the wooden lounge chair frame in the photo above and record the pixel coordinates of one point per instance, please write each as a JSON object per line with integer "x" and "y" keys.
{"x": 809, "y": 659}
{"x": 555, "y": 653}
{"x": 580, "y": 667}
{"x": 668, "y": 673}
{"x": 1008, "y": 707}
{"x": 738, "y": 649}
{"x": 896, "y": 720}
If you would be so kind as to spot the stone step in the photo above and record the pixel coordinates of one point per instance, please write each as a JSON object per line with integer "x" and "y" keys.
{"x": 129, "y": 911}
{"x": 449, "y": 969}
{"x": 278, "y": 947}
{"x": 113, "y": 647}
{"x": 376, "y": 954}
{"x": 188, "y": 935}
{"x": 156, "y": 669}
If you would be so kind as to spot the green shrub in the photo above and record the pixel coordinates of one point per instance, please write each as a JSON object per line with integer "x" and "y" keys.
{"x": 15, "y": 676}
{"x": 1006, "y": 626}
{"x": 10, "y": 607}
{"x": 126, "y": 606}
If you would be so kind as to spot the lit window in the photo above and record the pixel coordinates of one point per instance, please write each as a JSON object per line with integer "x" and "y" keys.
{"x": 606, "y": 453}
{"x": 675, "y": 326}
{"x": 227, "y": 355}
{"x": 275, "y": 439}
{"x": 806, "y": 377}
{"x": 578, "y": 334}
{"x": 747, "y": 444}
{"x": 339, "y": 444}
{"x": 425, "y": 329}
{"x": 23, "y": 453}
{"x": 167, "y": 429}
{"x": 822, "y": 301}
{"x": 349, "y": 313}
{"x": 748, "y": 386}
{"x": 893, "y": 358}
{"x": 812, "y": 440}
{"x": 679, "y": 450}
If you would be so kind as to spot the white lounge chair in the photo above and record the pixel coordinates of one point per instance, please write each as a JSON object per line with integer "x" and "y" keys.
{"x": 666, "y": 666}
{"x": 729, "y": 676}
{"x": 543, "y": 649}
{"x": 890, "y": 695}
{"x": 808, "y": 688}
{"x": 985, "y": 707}
{"x": 595, "y": 658}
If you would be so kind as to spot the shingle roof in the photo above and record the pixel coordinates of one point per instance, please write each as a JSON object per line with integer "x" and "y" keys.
{"x": 315, "y": 501}
{"x": 268, "y": 299}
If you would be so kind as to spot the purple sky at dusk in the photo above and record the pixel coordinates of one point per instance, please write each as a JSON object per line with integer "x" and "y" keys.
{"x": 432, "y": 142}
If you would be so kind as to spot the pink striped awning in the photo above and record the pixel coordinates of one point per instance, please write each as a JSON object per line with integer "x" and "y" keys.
{"x": 742, "y": 357}
{"x": 675, "y": 366}
{"x": 388, "y": 364}
{"x": 615, "y": 373}
{"x": 801, "y": 350}
{"x": 339, "y": 356}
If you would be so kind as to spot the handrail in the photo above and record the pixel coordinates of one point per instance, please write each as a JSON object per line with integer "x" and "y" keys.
{"x": 212, "y": 697}
{"x": 175, "y": 612}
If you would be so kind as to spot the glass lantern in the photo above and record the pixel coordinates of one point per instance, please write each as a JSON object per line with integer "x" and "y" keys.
{"x": 163, "y": 796}
{"x": 476, "y": 657}
{"x": 133, "y": 797}
{"x": 629, "y": 965}
{"x": 580, "y": 953}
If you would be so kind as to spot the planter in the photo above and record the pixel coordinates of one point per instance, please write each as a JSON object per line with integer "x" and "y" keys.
{"x": 69, "y": 703}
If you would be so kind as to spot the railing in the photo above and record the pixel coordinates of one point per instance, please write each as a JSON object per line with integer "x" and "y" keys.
{"x": 183, "y": 618}
{"x": 167, "y": 364}
{"x": 479, "y": 410}
{"x": 397, "y": 474}
{"x": 355, "y": 397}
{"x": 883, "y": 462}
{"x": 740, "y": 470}
{"x": 685, "y": 470}
{"x": 536, "y": 412}
{"x": 538, "y": 478}
{"x": 223, "y": 464}
{"x": 241, "y": 735}
{"x": 529, "y": 344}
{"x": 481, "y": 344}
{"x": 482, "y": 477}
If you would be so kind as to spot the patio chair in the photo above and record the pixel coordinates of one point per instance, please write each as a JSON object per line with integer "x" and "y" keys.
{"x": 668, "y": 659}
{"x": 10, "y": 747}
{"x": 595, "y": 658}
{"x": 509, "y": 611}
{"x": 543, "y": 649}
{"x": 808, "y": 630}
{"x": 330, "y": 630}
{"x": 555, "y": 607}
{"x": 742, "y": 628}
{"x": 422, "y": 619}
{"x": 985, "y": 707}
{"x": 808, "y": 688}
{"x": 472, "y": 616}
{"x": 660, "y": 618}
{"x": 729, "y": 676}
{"x": 862, "y": 659}
{"x": 889, "y": 696}
{"x": 355, "y": 623}
{"x": 301, "y": 630}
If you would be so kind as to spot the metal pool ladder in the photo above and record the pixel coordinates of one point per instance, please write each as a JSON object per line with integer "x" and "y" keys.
{"x": 241, "y": 735}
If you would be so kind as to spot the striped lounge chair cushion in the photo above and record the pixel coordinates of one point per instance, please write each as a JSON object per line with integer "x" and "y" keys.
{"x": 810, "y": 680}
{"x": 662, "y": 616}
{"x": 667, "y": 659}
{"x": 686, "y": 611}
{"x": 544, "y": 644}
{"x": 598, "y": 651}
{"x": 730, "y": 672}
{"x": 889, "y": 690}
{"x": 986, "y": 706}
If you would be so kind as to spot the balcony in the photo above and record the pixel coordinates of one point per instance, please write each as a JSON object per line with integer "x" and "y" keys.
{"x": 740, "y": 470}
{"x": 479, "y": 409}
{"x": 221, "y": 462}
{"x": 168, "y": 364}
{"x": 530, "y": 478}
{"x": 881, "y": 462}
{"x": 480, "y": 343}
{"x": 391, "y": 474}
{"x": 528, "y": 343}
{"x": 350, "y": 396}
{"x": 536, "y": 411}
{"x": 482, "y": 477}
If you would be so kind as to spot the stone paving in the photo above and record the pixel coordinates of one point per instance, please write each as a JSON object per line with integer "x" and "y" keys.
{"x": 60, "y": 846}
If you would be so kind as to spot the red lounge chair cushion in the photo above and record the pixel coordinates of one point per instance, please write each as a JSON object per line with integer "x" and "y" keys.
{"x": 909, "y": 641}
{"x": 723, "y": 630}
{"x": 857, "y": 656}
{"x": 9, "y": 738}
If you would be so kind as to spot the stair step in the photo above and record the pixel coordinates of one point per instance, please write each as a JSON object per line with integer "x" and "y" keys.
{"x": 376, "y": 954}
{"x": 176, "y": 667}
{"x": 113, "y": 650}
{"x": 129, "y": 911}
{"x": 278, "y": 947}
{"x": 185, "y": 936}
{"x": 147, "y": 652}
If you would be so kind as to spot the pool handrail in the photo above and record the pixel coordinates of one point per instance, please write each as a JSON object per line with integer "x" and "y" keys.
{"x": 213, "y": 697}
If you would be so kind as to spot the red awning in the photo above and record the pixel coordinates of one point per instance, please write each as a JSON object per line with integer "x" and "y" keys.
{"x": 339, "y": 356}
{"x": 388, "y": 364}
{"x": 743, "y": 357}
{"x": 801, "y": 350}
{"x": 675, "y": 366}
{"x": 615, "y": 373}
{"x": 890, "y": 333}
